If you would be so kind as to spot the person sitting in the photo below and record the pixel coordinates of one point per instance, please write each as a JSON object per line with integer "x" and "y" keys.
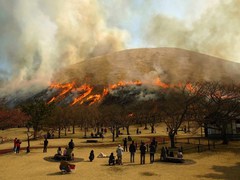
{"x": 91, "y": 156}
{"x": 58, "y": 156}
{"x": 111, "y": 160}
{"x": 66, "y": 166}
{"x": 179, "y": 154}
{"x": 59, "y": 151}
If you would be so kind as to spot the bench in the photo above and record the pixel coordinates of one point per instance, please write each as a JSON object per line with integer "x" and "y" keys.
{"x": 174, "y": 160}
{"x": 92, "y": 141}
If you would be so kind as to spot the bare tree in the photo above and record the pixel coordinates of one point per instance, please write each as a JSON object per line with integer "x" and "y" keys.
{"x": 176, "y": 106}
{"x": 219, "y": 107}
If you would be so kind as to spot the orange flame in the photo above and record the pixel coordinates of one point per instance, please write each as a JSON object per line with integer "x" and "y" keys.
{"x": 158, "y": 82}
{"x": 87, "y": 90}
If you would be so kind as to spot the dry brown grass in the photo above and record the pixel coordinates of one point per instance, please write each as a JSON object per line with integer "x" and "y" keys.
{"x": 220, "y": 163}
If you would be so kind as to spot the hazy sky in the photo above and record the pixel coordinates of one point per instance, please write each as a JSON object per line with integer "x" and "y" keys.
{"x": 38, "y": 37}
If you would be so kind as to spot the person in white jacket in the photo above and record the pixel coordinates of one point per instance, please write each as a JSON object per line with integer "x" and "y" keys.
{"x": 119, "y": 152}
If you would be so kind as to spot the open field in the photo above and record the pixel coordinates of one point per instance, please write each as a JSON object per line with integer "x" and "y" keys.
{"x": 219, "y": 163}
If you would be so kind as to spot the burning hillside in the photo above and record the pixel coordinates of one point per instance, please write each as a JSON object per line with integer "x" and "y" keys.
{"x": 131, "y": 75}
{"x": 122, "y": 92}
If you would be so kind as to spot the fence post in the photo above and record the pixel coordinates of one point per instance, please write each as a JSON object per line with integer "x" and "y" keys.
{"x": 199, "y": 141}
{"x": 188, "y": 141}
{"x": 198, "y": 148}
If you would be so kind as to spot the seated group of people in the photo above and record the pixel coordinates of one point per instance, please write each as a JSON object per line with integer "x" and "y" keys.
{"x": 66, "y": 155}
{"x": 165, "y": 153}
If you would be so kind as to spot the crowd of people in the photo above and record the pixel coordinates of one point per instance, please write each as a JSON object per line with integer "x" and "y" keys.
{"x": 67, "y": 154}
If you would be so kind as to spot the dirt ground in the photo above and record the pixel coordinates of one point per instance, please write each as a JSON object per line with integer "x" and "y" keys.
{"x": 220, "y": 163}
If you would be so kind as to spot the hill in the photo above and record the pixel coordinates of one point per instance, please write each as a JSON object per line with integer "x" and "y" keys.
{"x": 171, "y": 65}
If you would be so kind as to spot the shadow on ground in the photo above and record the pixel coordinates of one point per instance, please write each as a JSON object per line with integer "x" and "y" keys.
{"x": 224, "y": 172}
{"x": 186, "y": 162}
{"x": 148, "y": 173}
{"x": 51, "y": 159}
{"x": 56, "y": 174}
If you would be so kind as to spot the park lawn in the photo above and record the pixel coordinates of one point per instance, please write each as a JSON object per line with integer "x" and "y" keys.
{"x": 223, "y": 162}
{"x": 206, "y": 165}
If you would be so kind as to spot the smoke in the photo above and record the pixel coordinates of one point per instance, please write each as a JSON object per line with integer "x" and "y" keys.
{"x": 40, "y": 37}
{"x": 215, "y": 32}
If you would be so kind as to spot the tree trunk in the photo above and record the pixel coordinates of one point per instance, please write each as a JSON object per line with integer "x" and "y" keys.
{"x": 59, "y": 132}
{"x": 65, "y": 131}
{"x": 113, "y": 134}
{"x": 172, "y": 139}
{"x": 206, "y": 130}
{"x": 145, "y": 126}
{"x": 152, "y": 128}
{"x": 85, "y": 132}
{"x": 35, "y": 134}
{"x": 224, "y": 134}
{"x": 128, "y": 133}
{"x": 35, "y": 131}
{"x": 73, "y": 129}
{"x": 117, "y": 132}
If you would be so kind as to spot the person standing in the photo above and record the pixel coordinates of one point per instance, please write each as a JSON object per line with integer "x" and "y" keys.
{"x": 91, "y": 156}
{"x": 18, "y": 144}
{"x": 142, "y": 153}
{"x": 45, "y": 144}
{"x": 132, "y": 150}
{"x": 125, "y": 144}
{"x": 71, "y": 145}
{"x": 14, "y": 145}
{"x": 119, "y": 152}
{"x": 152, "y": 152}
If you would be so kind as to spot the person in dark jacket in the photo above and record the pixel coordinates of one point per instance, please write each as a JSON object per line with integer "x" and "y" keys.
{"x": 132, "y": 150}
{"x": 152, "y": 152}
{"x": 71, "y": 144}
{"x": 142, "y": 153}
{"x": 91, "y": 156}
{"x": 45, "y": 144}
{"x": 111, "y": 160}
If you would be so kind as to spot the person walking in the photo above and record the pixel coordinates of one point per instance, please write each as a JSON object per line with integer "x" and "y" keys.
{"x": 132, "y": 150}
{"x": 119, "y": 152}
{"x": 152, "y": 152}
{"x": 142, "y": 153}
{"x": 45, "y": 144}
{"x": 125, "y": 144}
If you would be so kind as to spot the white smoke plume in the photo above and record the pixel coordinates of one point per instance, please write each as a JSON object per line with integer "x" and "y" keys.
{"x": 39, "y": 37}
{"x": 215, "y": 32}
